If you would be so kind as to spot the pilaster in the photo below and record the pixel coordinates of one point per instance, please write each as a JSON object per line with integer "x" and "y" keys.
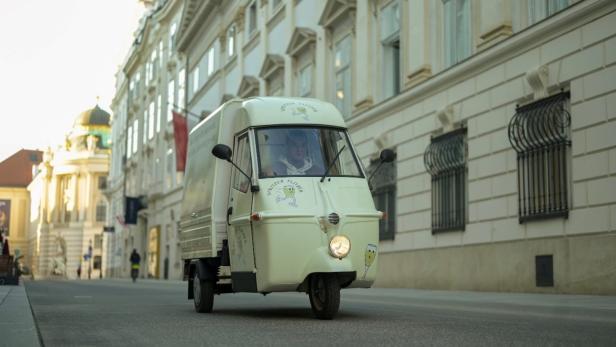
{"x": 495, "y": 22}
{"x": 363, "y": 79}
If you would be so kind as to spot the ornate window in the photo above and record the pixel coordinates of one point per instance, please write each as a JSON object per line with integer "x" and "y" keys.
{"x": 101, "y": 211}
{"x": 338, "y": 18}
{"x": 457, "y": 16}
{"x": 170, "y": 171}
{"x": 302, "y": 49}
{"x": 172, "y": 32}
{"x": 273, "y": 74}
{"x": 144, "y": 126}
{"x": 151, "y": 119}
{"x": 231, "y": 41}
{"x": 249, "y": 86}
{"x": 129, "y": 142}
{"x": 389, "y": 19}
{"x": 384, "y": 195}
{"x": 135, "y": 135}
{"x": 98, "y": 241}
{"x": 252, "y": 19}
{"x": 539, "y": 133}
{"x": 65, "y": 198}
{"x": 170, "y": 99}
{"x": 159, "y": 111}
{"x": 304, "y": 81}
{"x": 181, "y": 88}
{"x": 445, "y": 160}
{"x": 195, "y": 79}
{"x": 342, "y": 70}
{"x": 540, "y": 9}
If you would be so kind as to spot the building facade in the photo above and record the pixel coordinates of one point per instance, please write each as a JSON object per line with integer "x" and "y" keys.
{"x": 498, "y": 111}
{"x": 143, "y": 158}
{"x": 16, "y": 173}
{"x": 68, "y": 208}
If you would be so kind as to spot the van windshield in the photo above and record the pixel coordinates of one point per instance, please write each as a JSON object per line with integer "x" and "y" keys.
{"x": 305, "y": 151}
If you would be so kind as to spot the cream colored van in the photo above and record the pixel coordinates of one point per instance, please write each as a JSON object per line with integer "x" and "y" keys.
{"x": 275, "y": 199}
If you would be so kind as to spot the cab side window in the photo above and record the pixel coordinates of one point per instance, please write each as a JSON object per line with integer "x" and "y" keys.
{"x": 242, "y": 157}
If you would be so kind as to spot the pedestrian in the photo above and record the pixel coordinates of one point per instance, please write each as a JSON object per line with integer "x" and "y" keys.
{"x": 79, "y": 272}
{"x": 4, "y": 244}
{"x": 135, "y": 259}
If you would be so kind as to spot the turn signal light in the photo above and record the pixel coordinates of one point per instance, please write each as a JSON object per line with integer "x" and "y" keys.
{"x": 255, "y": 217}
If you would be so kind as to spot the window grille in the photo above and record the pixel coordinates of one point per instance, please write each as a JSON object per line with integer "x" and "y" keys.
{"x": 384, "y": 195}
{"x": 445, "y": 160}
{"x": 539, "y": 133}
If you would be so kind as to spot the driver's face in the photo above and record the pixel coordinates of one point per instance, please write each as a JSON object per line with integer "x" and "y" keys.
{"x": 297, "y": 149}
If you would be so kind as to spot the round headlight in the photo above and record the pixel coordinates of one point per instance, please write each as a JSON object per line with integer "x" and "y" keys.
{"x": 339, "y": 246}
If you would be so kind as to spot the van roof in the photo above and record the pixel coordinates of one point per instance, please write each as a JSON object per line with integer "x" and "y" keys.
{"x": 263, "y": 111}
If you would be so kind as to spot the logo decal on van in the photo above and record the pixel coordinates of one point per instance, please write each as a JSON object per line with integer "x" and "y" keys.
{"x": 298, "y": 109}
{"x": 369, "y": 256}
{"x": 284, "y": 191}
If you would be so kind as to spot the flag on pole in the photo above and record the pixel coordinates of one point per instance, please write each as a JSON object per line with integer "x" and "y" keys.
{"x": 132, "y": 206}
{"x": 180, "y": 134}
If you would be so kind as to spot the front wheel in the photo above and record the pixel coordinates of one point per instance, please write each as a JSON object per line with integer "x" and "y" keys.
{"x": 324, "y": 295}
{"x": 203, "y": 294}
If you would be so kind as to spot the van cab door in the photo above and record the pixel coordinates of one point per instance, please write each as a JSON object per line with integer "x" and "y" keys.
{"x": 241, "y": 250}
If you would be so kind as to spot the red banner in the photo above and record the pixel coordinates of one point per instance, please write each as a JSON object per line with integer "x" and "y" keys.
{"x": 180, "y": 134}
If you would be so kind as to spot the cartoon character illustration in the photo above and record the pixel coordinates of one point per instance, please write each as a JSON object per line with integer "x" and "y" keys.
{"x": 301, "y": 111}
{"x": 369, "y": 257}
{"x": 288, "y": 195}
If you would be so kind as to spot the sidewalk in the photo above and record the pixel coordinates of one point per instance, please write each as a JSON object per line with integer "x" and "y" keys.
{"x": 16, "y": 322}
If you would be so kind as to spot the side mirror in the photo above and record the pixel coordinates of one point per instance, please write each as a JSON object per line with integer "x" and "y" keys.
{"x": 222, "y": 151}
{"x": 387, "y": 156}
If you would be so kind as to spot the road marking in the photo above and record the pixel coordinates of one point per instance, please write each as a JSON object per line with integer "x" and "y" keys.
{"x": 83, "y": 297}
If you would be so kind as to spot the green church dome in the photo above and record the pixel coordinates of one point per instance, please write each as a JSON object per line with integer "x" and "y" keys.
{"x": 94, "y": 116}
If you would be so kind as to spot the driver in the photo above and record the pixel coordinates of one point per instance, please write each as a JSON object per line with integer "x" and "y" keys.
{"x": 296, "y": 161}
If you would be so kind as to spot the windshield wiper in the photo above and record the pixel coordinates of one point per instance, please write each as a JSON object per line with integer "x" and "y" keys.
{"x": 332, "y": 163}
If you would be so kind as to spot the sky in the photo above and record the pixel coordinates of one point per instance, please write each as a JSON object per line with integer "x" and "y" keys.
{"x": 56, "y": 58}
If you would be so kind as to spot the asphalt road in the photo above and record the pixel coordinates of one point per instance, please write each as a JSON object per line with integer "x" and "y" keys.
{"x": 156, "y": 313}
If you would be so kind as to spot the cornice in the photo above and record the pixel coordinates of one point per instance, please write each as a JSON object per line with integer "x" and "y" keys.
{"x": 190, "y": 24}
{"x": 169, "y": 9}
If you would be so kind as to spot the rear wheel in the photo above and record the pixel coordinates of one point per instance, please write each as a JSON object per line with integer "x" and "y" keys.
{"x": 324, "y": 295}
{"x": 203, "y": 294}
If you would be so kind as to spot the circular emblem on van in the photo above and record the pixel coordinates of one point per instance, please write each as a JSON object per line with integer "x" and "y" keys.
{"x": 333, "y": 218}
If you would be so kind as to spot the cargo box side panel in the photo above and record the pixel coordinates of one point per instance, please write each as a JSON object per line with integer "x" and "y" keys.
{"x": 196, "y": 237}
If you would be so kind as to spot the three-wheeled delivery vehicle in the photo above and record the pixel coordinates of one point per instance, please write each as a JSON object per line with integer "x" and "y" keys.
{"x": 275, "y": 199}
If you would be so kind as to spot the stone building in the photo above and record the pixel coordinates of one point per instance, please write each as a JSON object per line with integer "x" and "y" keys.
{"x": 68, "y": 209}
{"x": 16, "y": 173}
{"x": 143, "y": 159}
{"x": 500, "y": 113}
